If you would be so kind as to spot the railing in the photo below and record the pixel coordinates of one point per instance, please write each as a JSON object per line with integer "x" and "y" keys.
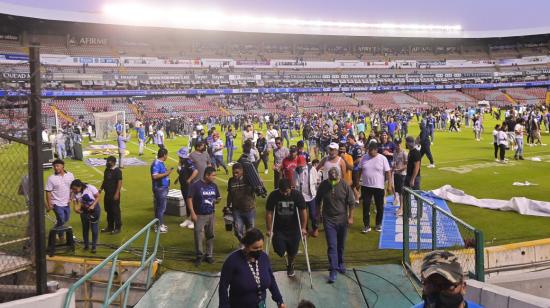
{"x": 146, "y": 262}
{"x": 469, "y": 249}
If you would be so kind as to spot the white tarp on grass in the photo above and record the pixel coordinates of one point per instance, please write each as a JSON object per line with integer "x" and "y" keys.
{"x": 129, "y": 161}
{"x": 521, "y": 205}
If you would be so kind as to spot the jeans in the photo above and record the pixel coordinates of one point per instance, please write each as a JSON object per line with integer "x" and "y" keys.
{"x": 229, "y": 154}
{"x": 61, "y": 151}
{"x": 141, "y": 144}
{"x": 121, "y": 153}
{"x": 425, "y": 149}
{"x": 218, "y": 159}
{"x": 378, "y": 194}
{"x": 62, "y": 214}
{"x": 243, "y": 221}
{"x": 519, "y": 150}
{"x": 90, "y": 221}
{"x": 336, "y": 237}
{"x": 285, "y": 135}
{"x": 160, "y": 195}
{"x": 204, "y": 227}
{"x": 313, "y": 214}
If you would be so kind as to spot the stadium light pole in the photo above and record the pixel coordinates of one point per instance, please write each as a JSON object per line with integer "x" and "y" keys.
{"x": 35, "y": 170}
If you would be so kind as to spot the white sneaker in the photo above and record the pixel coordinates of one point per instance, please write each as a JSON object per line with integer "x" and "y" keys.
{"x": 366, "y": 230}
{"x": 266, "y": 171}
{"x": 163, "y": 229}
{"x": 431, "y": 166}
{"x": 191, "y": 225}
{"x": 186, "y": 223}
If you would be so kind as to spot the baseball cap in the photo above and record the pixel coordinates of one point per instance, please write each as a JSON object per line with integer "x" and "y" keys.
{"x": 443, "y": 263}
{"x": 183, "y": 152}
{"x": 333, "y": 145}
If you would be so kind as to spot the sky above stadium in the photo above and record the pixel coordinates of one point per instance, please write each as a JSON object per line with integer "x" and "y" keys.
{"x": 471, "y": 15}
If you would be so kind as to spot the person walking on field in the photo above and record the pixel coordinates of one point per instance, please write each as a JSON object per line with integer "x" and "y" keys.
{"x": 282, "y": 208}
{"x": 160, "y": 178}
{"x": 58, "y": 193}
{"x": 336, "y": 202}
{"x": 202, "y": 199}
{"x": 375, "y": 171}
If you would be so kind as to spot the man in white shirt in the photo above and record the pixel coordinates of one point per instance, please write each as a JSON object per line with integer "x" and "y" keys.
{"x": 375, "y": 170}
{"x": 160, "y": 138}
{"x": 58, "y": 193}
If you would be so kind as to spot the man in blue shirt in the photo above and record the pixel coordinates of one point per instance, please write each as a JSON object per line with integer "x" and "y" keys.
{"x": 141, "y": 138}
{"x": 161, "y": 182}
{"x": 202, "y": 198}
{"x": 121, "y": 141}
{"x": 443, "y": 282}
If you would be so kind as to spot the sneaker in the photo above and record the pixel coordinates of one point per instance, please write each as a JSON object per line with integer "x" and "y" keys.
{"x": 341, "y": 269}
{"x": 332, "y": 276}
{"x": 198, "y": 261}
{"x": 497, "y": 160}
{"x": 106, "y": 230}
{"x": 186, "y": 223}
{"x": 266, "y": 171}
{"x": 431, "y": 166}
{"x": 209, "y": 260}
{"x": 290, "y": 270}
{"x": 366, "y": 230}
{"x": 378, "y": 228}
{"x": 521, "y": 158}
{"x": 115, "y": 231}
{"x": 93, "y": 250}
{"x": 162, "y": 229}
{"x": 191, "y": 225}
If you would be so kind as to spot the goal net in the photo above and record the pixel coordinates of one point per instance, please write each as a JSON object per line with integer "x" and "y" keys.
{"x": 106, "y": 124}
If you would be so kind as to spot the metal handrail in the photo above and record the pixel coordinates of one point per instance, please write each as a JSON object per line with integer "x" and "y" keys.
{"x": 113, "y": 258}
{"x": 420, "y": 201}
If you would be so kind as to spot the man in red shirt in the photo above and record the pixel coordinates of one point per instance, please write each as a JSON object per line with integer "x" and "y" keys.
{"x": 289, "y": 165}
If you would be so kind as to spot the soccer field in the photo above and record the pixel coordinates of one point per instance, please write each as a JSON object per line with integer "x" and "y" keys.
{"x": 479, "y": 176}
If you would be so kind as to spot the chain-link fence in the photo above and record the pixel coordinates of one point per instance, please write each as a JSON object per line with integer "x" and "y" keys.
{"x": 16, "y": 249}
{"x": 428, "y": 227}
{"x": 22, "y": 266}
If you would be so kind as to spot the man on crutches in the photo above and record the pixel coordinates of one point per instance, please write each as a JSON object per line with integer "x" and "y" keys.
{"x": 336, "y": 200}
{"x": 285, "y": 215}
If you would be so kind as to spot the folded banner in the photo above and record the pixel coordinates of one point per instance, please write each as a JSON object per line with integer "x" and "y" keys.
{"x": 521, "y": 205}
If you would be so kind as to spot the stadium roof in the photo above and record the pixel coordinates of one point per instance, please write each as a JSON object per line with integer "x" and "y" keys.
{"x": 391, "y": 18}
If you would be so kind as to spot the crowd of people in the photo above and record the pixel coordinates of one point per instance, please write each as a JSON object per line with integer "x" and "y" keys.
{"x": 337, "y": 166}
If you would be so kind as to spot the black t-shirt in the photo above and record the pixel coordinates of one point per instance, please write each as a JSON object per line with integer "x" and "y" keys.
{"x": 286, "y": 217}
{"x": 110, "y": 180}
{"x": 414, "y": 156}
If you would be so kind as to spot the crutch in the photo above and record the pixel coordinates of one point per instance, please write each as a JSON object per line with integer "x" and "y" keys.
{"x": 270, "y": 239}
{"x": 304, "y": 243}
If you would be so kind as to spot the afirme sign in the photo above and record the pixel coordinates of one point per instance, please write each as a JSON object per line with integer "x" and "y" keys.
{"x": 88, "y": 40}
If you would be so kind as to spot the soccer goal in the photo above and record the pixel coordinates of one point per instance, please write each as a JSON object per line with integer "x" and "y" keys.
{"x": 106, "y": 124}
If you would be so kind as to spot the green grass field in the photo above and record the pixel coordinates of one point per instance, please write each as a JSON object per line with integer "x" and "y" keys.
{"x": 449, "y": 150}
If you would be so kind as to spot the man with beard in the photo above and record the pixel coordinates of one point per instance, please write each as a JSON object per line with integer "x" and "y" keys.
{"x": 443, "y": 282}
{"x": 200, "y": 159}
{"x": 285, "y": 203}
{"x": 112, "y": 184}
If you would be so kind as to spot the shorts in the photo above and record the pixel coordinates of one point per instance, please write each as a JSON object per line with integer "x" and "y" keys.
{"x": 285, "y": 243}
{"x": 398, "y": 180}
